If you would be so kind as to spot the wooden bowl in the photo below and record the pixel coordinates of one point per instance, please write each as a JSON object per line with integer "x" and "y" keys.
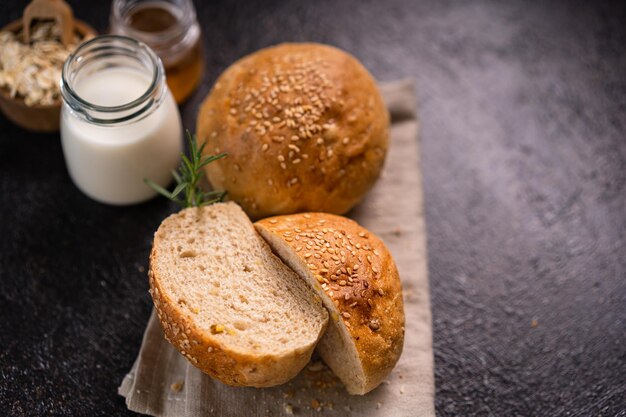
{"x": 37, "y": 118}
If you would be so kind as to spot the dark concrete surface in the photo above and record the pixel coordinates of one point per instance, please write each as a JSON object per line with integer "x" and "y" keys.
{"x": 523, "y": 111}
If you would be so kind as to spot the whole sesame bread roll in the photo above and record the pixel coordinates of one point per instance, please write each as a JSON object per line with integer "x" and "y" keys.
{"x": 227, "y": 303}
{"x": 357, "y": 279}
{"x": 305, "y": 128}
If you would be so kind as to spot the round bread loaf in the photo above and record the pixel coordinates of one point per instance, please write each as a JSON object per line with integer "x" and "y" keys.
{"x": 227, "y": 303}
{"x": 304, "y": 126}
{"x": 357, "y": 279}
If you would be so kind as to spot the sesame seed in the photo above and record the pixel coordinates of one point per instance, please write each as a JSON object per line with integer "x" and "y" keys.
{"x": 265, "y": 147}
{"x": 281, "y": 158}
{"x": 346, "y": 141}
{"x": 346, "y": 314}
{"x": 381, "y": 292}
{"x": 283, "y": 165}
{"x": 273, "y": 221}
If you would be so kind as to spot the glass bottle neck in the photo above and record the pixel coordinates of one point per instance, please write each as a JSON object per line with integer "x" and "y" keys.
{"x": 112, "y": 53}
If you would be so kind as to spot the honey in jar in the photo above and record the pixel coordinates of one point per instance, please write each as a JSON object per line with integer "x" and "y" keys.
{"x": 171, "y": 29}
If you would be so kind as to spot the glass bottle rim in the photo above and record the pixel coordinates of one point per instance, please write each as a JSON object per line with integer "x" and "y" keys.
{"x": 184, "y": 32}
{"x": 153, "y": 94}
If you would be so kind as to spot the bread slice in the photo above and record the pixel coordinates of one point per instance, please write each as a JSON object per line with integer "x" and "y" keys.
{"x": 227, "y": 303}
{"x": 357, "y": 279}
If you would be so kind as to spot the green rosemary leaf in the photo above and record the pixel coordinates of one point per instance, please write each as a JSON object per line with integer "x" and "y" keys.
{"x": 212, "y": 194}
{"x": 162, "y": 191}
{"x": 179, "y": 188}
{"x": 211, "y": 158}
{"x": 188, "y": 176}
{"x": 201, "y": 149}
{"x": 176, "y": 177}
{"x": 157, "y": 188}
{"x": 187, "y": 163}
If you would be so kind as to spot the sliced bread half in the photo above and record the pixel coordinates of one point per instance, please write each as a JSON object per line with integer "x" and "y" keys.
{"x": 227, "y": 303}
{"x": 357, "y": 279}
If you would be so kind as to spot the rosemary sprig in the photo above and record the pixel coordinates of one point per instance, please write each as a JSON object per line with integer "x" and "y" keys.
{"x": 187, "y": 192}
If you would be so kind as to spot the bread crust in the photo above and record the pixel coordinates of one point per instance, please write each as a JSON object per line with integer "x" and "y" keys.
{"x": 205, "y": 351}
{"x": 305, "y": 128}
{"x": 355, "y": 269}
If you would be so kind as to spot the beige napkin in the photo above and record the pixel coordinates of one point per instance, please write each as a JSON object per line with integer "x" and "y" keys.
{"x": 163, "y": 383}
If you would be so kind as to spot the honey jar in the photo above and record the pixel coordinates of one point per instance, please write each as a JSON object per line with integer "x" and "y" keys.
{"x": 171, "y": 29}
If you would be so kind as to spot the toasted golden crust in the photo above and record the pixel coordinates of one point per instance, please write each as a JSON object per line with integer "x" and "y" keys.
{"x": 355, "y": 269}
{"x": 305, "y": 128}
{"x": 210, "y": 357}
{"x": 205, "y": 351}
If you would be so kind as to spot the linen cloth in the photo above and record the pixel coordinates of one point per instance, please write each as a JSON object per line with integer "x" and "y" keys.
{"x": 162, "y": 383}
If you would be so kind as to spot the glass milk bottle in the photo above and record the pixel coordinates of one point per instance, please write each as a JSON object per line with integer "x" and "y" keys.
{"x": 119, "y": 122}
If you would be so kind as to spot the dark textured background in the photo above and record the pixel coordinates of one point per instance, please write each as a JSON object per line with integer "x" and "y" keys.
{"x": 523, "y": 110}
